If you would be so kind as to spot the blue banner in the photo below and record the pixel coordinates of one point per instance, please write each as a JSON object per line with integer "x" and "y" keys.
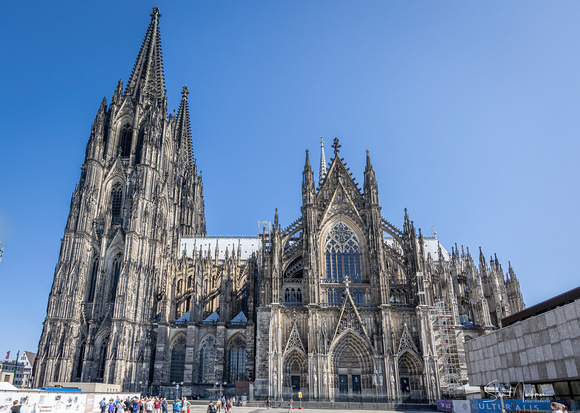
{"x": 494, "y": 405}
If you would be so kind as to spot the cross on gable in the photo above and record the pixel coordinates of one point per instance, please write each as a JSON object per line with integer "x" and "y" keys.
{"x": 346, "y": 282}
{"x": 336, "y": 145}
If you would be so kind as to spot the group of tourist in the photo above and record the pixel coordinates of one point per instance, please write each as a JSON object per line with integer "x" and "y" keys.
{"x": 220, "y": 403}
{"x": 136, "y": 405}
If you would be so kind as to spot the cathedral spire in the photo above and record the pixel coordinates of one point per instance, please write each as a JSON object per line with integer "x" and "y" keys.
{"x": 370, "y": 183}
{"x": 183, "y": 128}
{"x": 307, "y": 181}
{"x": 322, "y": 170}
{"x": 147, "y": 76}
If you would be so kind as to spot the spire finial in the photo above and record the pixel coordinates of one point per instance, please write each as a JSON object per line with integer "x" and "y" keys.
{"x": 156, "y": 14}
{"x": 336, "y": 146}
{"x": 322, "y": 170}
{"x": 185, "y": 91}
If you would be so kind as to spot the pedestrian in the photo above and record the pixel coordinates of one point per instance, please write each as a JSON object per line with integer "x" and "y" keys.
{"x": 268, "y": 402}
{"x": 164, "y": 405}
{"x": 228, "y": 406}
{"x": 211, "y": 407}
{"x": 120, "y": 408}
{"x": 217, "y": 404}
{"x": 176, "y": 406}
{"x": 149, "y": 406}
{"x": 157, "y": 405}
{"x": 290, "y": 405}
{"x": 15, "y": 408}
{"x": 558, "y": 407}
{"x": 185, "y": 405}
{"x": 103, "y": 405}
{"x": 134, "y": 406}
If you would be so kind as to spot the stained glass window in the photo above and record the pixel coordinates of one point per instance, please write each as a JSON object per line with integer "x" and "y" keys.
{"x": 116, "y": 202}
{"x": 115, "y": 272}
{"x": 207, "y": 359}
{"x": 125, "y": 140}
{"x": 177, "y": 360}
{"x": 342, "y": 254}
{"x": 237, "y": 360}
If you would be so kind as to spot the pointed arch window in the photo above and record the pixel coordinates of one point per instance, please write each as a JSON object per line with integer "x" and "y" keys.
{"x": 115, "y": 273}
{"x": 207, "y": 360}
{"x": 125, "y": 140}
{"x": 93, "y": 280}
{"x": 177, "y": 360}
{"x": 237, "y": 360}
{"x": 342, "y": 254}
{"x": 139, "y": 148}
{"x": 116, "y": 202}
{"x": 79, "y": 369}
{"x": 102, "y": 359}
{"x": 293, "y": 295}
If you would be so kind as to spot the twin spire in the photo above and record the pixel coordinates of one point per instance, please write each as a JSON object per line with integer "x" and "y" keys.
{"x": 147, "y": 81}
{"x": 147, "y": 76}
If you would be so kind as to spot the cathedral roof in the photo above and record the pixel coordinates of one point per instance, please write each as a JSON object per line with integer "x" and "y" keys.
{"x": 430, "y": 245}
{"x": 247, "y": 245}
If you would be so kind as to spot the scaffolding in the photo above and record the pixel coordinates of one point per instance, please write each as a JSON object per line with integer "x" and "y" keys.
{"x": 446, "y": 345}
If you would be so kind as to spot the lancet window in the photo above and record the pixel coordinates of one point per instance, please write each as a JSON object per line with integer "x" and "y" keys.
{"x": 342, "y": 254}
{"x": 334, "y": 295}
{"x": 93, "y": 280}
{"x": 207, "y": 358}
{"x": 358, "y": 296}
{"x": 102, "y": 358}
{"x": 116, "y": 202}
{"x": 125, "y": 140}
{"x": 237, "y": 360}
{"x": 177, "y": 360}
{"x": 115, "y": 272}
{"x": 292, "y": 295}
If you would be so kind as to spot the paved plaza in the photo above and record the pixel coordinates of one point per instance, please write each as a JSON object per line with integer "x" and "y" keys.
{"x": 203, "y": 408}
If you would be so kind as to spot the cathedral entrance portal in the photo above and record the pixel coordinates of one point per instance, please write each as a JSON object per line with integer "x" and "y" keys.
{"x": 295, "y": 386}
{"x": 410, "y": 377}
{"x": 294, "y": 374}
{"x": 353, "y": 365}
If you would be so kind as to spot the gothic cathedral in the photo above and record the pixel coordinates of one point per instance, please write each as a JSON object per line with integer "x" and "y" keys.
{"x": 339, "y": 305}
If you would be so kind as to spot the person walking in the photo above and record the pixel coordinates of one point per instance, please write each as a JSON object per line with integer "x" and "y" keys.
{"x": 157, "y": 405}
{"x": 185, "y": 405}
{"x": 120, "y": 407}
{"x": 164, "y": 405}
{"x": 290, "y": 405}
{"x": 149, "y": 405}
{"x": 15, "y": 408}
{"x": 134, "y": 405}
{"x": 103, "y": 405}
{"x": 176, "y": 406}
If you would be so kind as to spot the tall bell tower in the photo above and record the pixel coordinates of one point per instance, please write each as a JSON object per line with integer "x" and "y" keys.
{"x": 138, "y": 193}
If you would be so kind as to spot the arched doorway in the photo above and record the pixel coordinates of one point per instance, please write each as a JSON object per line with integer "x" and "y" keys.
{"x": 352, "y": 364}
{"x": 410, "y": 377}
{"x": 295, "y": 373}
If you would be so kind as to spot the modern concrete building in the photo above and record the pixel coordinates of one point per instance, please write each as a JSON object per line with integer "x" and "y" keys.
{"x": 538, "y": 348}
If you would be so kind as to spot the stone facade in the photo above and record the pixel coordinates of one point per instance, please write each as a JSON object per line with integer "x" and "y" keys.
{"x": 541, "y": 349}
{"x": 340, "y": 304}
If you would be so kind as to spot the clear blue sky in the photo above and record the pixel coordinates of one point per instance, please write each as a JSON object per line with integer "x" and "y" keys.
{"x": 470, "y": 110}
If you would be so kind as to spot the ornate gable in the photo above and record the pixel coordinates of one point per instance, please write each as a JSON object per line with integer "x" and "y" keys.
{"x": 294, "y": 340}
{"x": 341, "y": 203}
{"x": 339, "y": 175}
{"x": 116, "y": 170}
{"x": 349, "y": 318}
{"x": 406, "y": 342}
